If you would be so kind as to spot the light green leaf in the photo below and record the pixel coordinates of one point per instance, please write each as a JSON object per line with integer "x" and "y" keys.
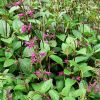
{"x": 27, "y": 52}
{"x": 61, "y": 37}
{"x": 56, "y": 59}
{"x": 79, "y": 92}
{"x": 34, "y": 21}
{"x": 36, "y": 97}
{"x": 77, "y": 34}
{"x": 68, "y": 85}
{"x": 69, "y": 98}
{"x": 32, "y": 96}
{"x": 81, "y": 58}
{"x": 82, "y": 51}
{"x": 44, "y": 46}
{"x": 25, "y": 65}
{"x": 8, "y": 40}
{"x": 12, "y": 9}
{"x": 54, "y": 95}
{"x": 17, "y": 24}
{"x": 67, "y": 72}
{"x": 4, "y": 28}
{"x": 84, "y": 68}
{"x": 8, "y": 53}
{"x": 53, "y": 43}
{"x": 71, "y": 42}
{"x": 59, "y": 85}
{"x": 96, "y": 48}
{"x": 24, "y": 37}
{"x": 46, "y": 86}
{"x": 20, "y": 87}
{"x": 9, "y": 62}
{"x": 86, "y": 29}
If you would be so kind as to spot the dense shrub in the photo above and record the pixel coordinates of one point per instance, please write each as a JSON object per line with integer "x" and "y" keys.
{"x": 49, "y": 50}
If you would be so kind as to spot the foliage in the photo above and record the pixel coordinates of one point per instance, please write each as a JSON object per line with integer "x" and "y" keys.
{"x": 49, "y": 50}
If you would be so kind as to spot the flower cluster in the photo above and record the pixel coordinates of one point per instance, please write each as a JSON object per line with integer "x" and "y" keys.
{"x": 36, "y": 58}
{"x": 26, "y": 28}
{"x": 29, "y": 13}
{"x": 29, "y": 44}
{"x": 50, "y": 36}
{"x": 18, "y": 3}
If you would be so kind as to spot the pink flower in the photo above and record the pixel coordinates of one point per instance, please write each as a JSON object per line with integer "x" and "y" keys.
{"x": 29, "y": 44}
{"x": 45, "y": 35}
{"x": 17, "y": 3}
{"x": 66, "y": 61}
{"x": 94, "y": 84}
{"x": 49, "y": 66}
{"x": 88, "y": 89}
{"x": 37, "y": 72}
{"x": 86, "y": 44}
{"x": 61, "y": 73}
{"x": 98, "y": 71}
{"x": 73, "y": 78}
{"x": 42, "y": 54}
{"x": 48, "y": 98}
{"x": 78, "y": 78}
{"x": 24, "y": 28}
{"x": 33, "y": 58}
{"x": 29, "y": 27}
{"x": 97, "y": 89}
{"x": 30, "y": 12}
{"x": 48, "y": 73}
{"x": 21, "y": 14}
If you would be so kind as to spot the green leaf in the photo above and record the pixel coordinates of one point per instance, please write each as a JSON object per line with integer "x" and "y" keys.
{"x": 46, "y": 86}
{"x": 82, "y": 51}
{"x": 71, "y": 42}
{"x": 86, "y": 29}
{"x": 59, "y": 85}
{"x": 16, "y": 45}
{"x": 27, "y": 52}
{"x": 9, "y": 62}
{"x": 81, "y": 58}
{"x": 79, "y": 92}
{"x": 56, "y": 59}
{"x": 66, "y": 49}
{"x": 67, "y": 72}
{"x": 37, "y": 86}
{"x": 4, "y": 28}
{"x": 52, "y": 43}
{"x": 61, "y": 37}
{"x": 12, "y": 9}
{"x": 3, "y": 3}
{"x": 96, "y": 48}
{"x": 34, "y": 21}
{"x": 8, "y": 40}
{"x": 69, "y": 98}
{"x": 68, "y": 85}
{"x": 84, "y": 68}
{"x": 25, "y": 65}
{"x": 24, "y": 37}
{"x": 77, "y": 34}
{"x": 8, "y": 53}
{"x": 34, "y": 96}
{"x": 44, "y": 46}
{"x": 54, "y": 95}
{"x": 17, "y": 24}
{"x": 20, "y": 87}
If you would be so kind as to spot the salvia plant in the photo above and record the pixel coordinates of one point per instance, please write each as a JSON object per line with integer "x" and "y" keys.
{"x": 49, "y": 50}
